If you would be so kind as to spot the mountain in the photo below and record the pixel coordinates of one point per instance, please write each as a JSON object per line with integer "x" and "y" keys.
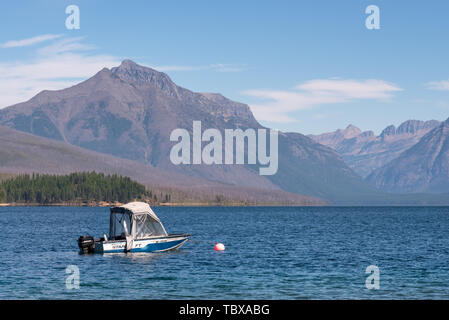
{"x": 365, "y": 152}
{"x": 422, "y": 168}
{"x": 129, "y": 111}
{"x": 334, "y": 139}
{"x": 25, "y": 153}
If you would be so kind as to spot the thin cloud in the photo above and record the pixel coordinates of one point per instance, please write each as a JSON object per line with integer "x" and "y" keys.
{"x": 30, "y": 41}
{"x": 220, "y": 67}
{"x": 278, "y": 104}
{"x": 350, "y": 89}
{"x": 442, "y": 85}
{"x": 59, "y": 65}
{"x": 65, "y": 45}
{"x": 62, "y": 63}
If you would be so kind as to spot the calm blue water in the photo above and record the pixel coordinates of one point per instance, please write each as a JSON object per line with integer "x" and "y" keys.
{"x": 272, "y": 253}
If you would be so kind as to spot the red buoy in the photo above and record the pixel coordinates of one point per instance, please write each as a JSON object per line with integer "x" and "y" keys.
{"x": 219, "y": 247}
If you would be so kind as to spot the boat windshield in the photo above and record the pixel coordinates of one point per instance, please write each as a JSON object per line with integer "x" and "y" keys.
{"x": 136, "y": 220}
{"x": 119, "y": 225}
{"x": 146, "y": 226}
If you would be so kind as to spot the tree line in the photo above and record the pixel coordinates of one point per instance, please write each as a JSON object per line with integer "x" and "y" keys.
{"x": 74, "y": 187}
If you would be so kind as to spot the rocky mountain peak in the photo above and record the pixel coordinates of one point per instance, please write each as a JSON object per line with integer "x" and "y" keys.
{"x": 369, "y": 133}
{"x": 129, "y": 64}
{"x": 133, "y": 73}
{"x": 351, "y": 131}
{"x": 413, "y": 126}
{"x": 388, "y": 131}
{"x": 421, "y": 168}
{"x": 364, "y": 151}
{"x": 409, "y": 127}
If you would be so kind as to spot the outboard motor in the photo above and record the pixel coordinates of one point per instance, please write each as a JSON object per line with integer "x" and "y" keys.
{"x": 86, "y": 244}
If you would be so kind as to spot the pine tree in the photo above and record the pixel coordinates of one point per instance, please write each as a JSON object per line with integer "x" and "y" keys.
{"x": 2, "y": 194}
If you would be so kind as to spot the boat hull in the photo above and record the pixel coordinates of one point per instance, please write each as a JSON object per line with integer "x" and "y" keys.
{"x": 159, "y": 244}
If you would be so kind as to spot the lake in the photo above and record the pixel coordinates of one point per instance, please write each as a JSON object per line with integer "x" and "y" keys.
{"x": 271, "y": 253}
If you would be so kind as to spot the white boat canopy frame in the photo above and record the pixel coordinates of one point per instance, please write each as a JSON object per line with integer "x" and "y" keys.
{"x": 135, "y": 219}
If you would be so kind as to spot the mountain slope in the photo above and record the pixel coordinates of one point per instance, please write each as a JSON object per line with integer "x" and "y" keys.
{"x": 422, "y": 168}
{"x": 365, "y": 152}
{"x": 25, "y": 153}
{"x": 129, "y": 111}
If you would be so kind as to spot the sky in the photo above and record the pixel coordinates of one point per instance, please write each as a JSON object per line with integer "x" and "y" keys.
{"x": 302, "y": 66}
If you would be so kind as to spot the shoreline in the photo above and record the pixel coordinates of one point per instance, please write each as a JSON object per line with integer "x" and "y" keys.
{"x": 202, "y": 204}
{"x": 165, "y": 204}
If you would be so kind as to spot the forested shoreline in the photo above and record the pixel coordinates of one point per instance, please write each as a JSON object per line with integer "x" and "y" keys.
{"x": 99, "y": 189}
{"x": 81, "y": 187}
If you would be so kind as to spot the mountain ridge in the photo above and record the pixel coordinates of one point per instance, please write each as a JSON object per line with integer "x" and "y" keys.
{"x": 129, "y": 111}
{"x": 22, "y": 152}
{"x": 364, "y": 152}
{"x": 422, "y": 168}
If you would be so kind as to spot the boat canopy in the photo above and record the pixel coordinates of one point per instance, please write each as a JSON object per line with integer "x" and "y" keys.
{"x": 135, "y": 219}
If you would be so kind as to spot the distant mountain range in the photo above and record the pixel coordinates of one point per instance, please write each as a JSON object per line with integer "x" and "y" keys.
{"x": 365, "y": 152}
{"x": 422, "y": 168}
{"x": 120, "y": 120}
{"x": 411, "y": 158}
